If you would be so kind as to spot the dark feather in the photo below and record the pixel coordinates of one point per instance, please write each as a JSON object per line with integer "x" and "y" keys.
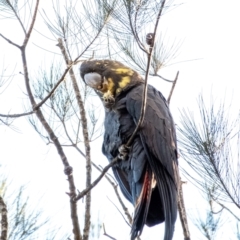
{"x": 149, "y": 177}
{"x": 159, "y": 141}
{"x": 153, "y": 153}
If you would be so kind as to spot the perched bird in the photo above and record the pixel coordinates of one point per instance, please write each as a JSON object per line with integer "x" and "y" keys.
{"x": 148, "y": 172}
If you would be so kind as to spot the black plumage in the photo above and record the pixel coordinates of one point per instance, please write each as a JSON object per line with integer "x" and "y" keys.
{"x": 148, "y": 178}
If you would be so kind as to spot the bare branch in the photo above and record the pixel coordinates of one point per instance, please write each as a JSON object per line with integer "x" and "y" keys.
{"x": 16, "y": 115}
{"x": 105, "y": 234}
{"x": 67, "y": 168}
{"x": 15, "y": 13}
{"x": 230, "y": 211}
{"x": 115, "y": 187}
{"x": 37, "y": 106}
{"x": 119, "y": 211}
{"x": 70, "y": 65}
{"x": 86, "y": 140}
{"x": 163, "y": 78}
{"x": 182, "y": 213}
{"x": 181, "y": 205}
{"x": 9, "y": 41}
{"x": 4, "y": 220}
{"x": 105, "y": 169}
{"x": 173, "y": 86}
{"x": 31, "y": 25}
{"x": 144, "y": 102}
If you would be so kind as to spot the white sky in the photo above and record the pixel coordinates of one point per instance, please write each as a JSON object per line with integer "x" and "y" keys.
{"x": 210, "y": 30}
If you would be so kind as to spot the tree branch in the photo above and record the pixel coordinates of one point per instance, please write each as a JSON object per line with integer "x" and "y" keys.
{"x": 67, "y": 168}
{"x": 115, "y": 186}
{"x": 163, "y": 78}
{"x": 16, "y": 115}
{"x": 31, "y": 25}
{"x": 70, "y": 65}
{"x": 173, "y": 86}
{"x": 86, "y": 141}
{"x": 231, "y": 212}
{"x": 4, "y": 220}
{"x": 105, "y": 234}
{"x": 182, "y": 213}
{"x": 15, "y": 13}
{"x": 37, "y": 106}
{"x": 85, "y": 191}
{"x": 144, "y": 101}
{"x": 119, "y": 211}
{"x": 181, "y": 205}
{"x": 9, "y": 41}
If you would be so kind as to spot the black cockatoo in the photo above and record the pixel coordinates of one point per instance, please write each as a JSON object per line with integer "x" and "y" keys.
{"x": 148, "y": 175}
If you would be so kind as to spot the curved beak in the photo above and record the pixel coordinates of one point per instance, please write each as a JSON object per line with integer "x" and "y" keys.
{"x": 93, "y": 80}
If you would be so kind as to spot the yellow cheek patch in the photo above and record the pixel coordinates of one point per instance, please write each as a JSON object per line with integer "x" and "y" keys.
{"x": 107, "y": 94}
{"x": 124, "y": 81}
{"x": 110, "y": 85}
{"x": 125, "y": 71}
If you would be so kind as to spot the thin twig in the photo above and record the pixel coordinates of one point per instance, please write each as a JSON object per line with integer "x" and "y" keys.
{"x": 125, "y": 209}
{"x": 31, "y": 25}
{"x": 144, "y": 101}
{"x": 119, "y": 212}
{"x": 105, "y": 169}
{"x": 9, "y": 41}
{"x": 37, "y": 106}
{"x": 105, "y": 234}
{"x": 70, "y": 65}
{"x": 220, "y": 177}
{"x": 135, "y": 34}
{"x": 82, "y": 111}
{"x": 223, "y": 206}
{"x": 4, "y": 220}
{"x": 163, "y": 78}
{"x": 123, "y": 205}
{"x": 115, "y": 186}
{"x": 181, "y": 205}
{"x": 182, "y": 213}
{"x": 18, "y": 18}
{"x": 16, "y": 115}
{"x": 68, "y": 168}
{"x": 212, "y": 210}
{"x": 173, "y": 86}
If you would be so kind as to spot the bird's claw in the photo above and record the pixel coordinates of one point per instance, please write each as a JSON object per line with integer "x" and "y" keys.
{"x": 123, "y": 152}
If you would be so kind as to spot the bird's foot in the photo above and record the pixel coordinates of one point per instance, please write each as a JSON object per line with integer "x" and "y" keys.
{"x": 123, "y": 152}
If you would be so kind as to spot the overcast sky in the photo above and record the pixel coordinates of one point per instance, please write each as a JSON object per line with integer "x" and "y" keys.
{"x": 208, "y": 62}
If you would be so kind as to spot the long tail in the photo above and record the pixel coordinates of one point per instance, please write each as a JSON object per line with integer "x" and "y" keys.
{"x": 142, "y": 205}
{"x": 168, "y": 193}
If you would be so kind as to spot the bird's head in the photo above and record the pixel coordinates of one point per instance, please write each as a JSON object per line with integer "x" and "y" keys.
{"x": 109, "y": 78}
